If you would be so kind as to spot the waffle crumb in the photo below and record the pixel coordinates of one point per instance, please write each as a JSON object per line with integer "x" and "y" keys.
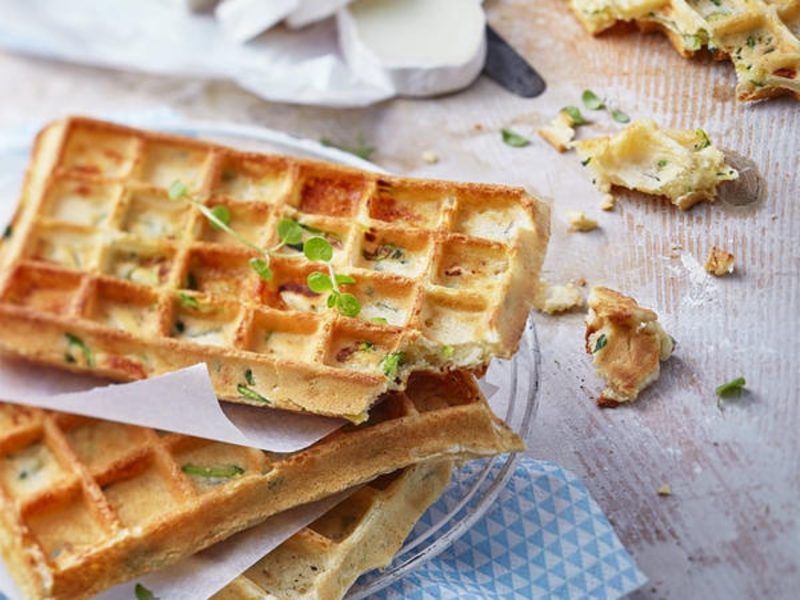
{"x": 664, "y": 490}
{"x": 719, "y": 262}
{"x": 578, "y": 221}
{"x": 627, "y": 345}
{"x": 679, "y": 164}
{"x": 555, "y": 299}
{"x": 560, "y": 132}
{"x": 430, "y": 157}
{"x": 609, "y": 202}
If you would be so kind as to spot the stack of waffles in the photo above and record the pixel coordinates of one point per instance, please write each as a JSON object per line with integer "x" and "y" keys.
{"x": 133, "y": 254}
{"x": 760, "y": 37}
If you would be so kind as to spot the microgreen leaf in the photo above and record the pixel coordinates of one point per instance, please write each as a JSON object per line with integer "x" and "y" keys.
{"x": 513, "y": 139}
{"x": 619, "y": 116}
{"x": 319, "y": 282}
{"x": 250, "y": 394}
{"x": 447, "y": 351}
{"x": 727, "y": 388}
{"x": 318, "y": 249}
{"x": 7, "y": 232}
{"x": 600, "y": 343}
{"x": 591, "y": 101}
{"x": 348, "y": 305}
{"x": 142, "y": 593}
{"x": 261, "y": 267}
{"x": 188, "y": 301}
{"x": 662, "y": 163}
{"x": 222, "y": 214}
{"x": 391, "y": 362}
{"x": 177, "y": 190}
{"x": 379, "y": 320}
{"x": 586, "y": 161}
{"x": 213, "y": 471}
{"x": 575, "y": 115}
{"x": 74, "y": 340}
{"x": 290, "y": 232}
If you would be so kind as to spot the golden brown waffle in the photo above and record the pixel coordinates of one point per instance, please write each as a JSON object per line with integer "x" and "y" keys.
{"x": 362, "y": 533}
{"x": 87, "y": 504}
{"x": 761, "y": 37}
{"x": 104, "y": 273}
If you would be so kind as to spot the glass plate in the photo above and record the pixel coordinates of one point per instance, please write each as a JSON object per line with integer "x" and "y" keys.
{"x": 510, "y": 385}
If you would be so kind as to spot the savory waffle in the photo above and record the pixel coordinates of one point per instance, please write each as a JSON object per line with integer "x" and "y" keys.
{"x": 362, "y": 533}
{"x": 761, "y": 37}
{"x": 86, "y": 504}
{"x": 104, "y": 272}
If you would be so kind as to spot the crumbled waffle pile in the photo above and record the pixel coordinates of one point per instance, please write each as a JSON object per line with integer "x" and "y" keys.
{"x": 103, "y": 272}
{"x": 760, "y": 37}
{"x": 86, "y": 504}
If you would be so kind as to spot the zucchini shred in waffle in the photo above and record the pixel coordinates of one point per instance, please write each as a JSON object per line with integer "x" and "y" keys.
{"x": 102, "y": 272}
{"x": 87, "y": 504}
{"x": 760, "y": 37}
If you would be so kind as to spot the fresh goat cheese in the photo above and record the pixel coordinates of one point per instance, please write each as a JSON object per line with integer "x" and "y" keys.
{"x": 415, "y": 47}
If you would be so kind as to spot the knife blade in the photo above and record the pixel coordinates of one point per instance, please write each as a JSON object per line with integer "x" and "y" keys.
{"x": 508, "y": 68}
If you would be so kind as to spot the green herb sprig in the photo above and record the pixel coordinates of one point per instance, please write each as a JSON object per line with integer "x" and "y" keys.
{"x": 142, "y": 593}
{"x": 360, "y": 149}
{"x": 290, "y": 233}
{"x": 575, "y": 115}
{"x": 735, "y": 385}
{"x": 704, "y": 140}
{"x": 213, "y": 471}
{"x": 513, "y": 139}
{"x": 318, "y": 249}
{"x": 600, "y": 343}
{"x": 74, "y": 340}
{"x": 726, "y": 390}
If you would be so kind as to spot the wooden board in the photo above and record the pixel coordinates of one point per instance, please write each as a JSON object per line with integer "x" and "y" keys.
{"x": 730, "y": 529}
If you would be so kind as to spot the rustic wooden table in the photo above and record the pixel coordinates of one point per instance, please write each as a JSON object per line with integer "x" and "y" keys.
{"x": 730, "y": 528}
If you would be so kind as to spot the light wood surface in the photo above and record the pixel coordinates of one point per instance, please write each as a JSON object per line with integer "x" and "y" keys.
{"x": 730, "y": 529}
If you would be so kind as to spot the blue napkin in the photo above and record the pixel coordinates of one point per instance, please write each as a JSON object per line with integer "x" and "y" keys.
{"x": 544, "y": 537}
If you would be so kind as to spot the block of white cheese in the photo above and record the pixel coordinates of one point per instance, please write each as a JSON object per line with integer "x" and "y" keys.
{"x": 243, "y": 20}
{"x": 415, "y": 47}
{"x": 312, "y": 11}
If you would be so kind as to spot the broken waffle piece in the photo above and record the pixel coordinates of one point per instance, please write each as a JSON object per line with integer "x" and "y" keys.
{"x": 627, "y": 345}
{"x": 760, "y": 37}
{"x": 578, "y": 221}
{"x": 680, "y": 164}
{"x": 362, "y": 533}
{"x": 560, "y": 132}
{"x": 554, "y": 299}
{"x": 719, "y": 262}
